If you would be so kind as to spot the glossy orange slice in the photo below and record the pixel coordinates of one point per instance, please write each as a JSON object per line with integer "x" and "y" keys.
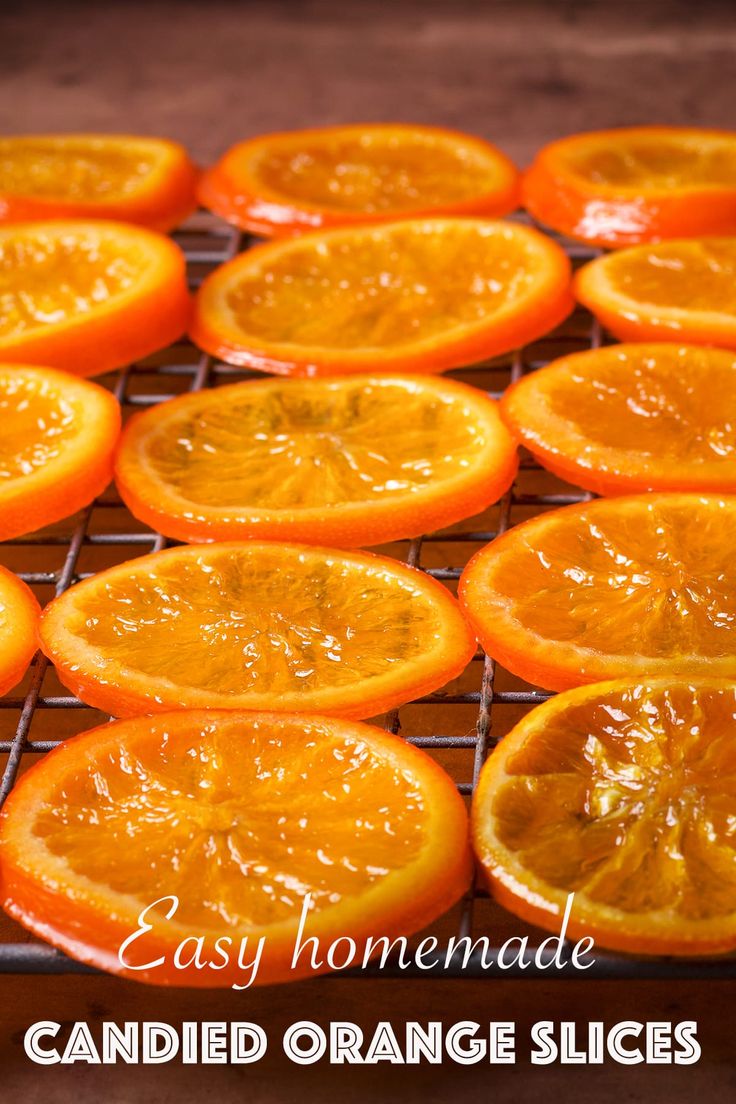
{"x": 415, "y": 296}
{"x": 345, "y": 462}
{"x": 673, "y": 291}
{"x": 56, "y": 446}
{"x": 238, "y": 817}
{"x": 148, "y": 181}
{"x": 622, "y": 587}
{"x": 87, "y": 297}
{"x": 621, "y": 793}
{"x": 636, "y": 184}
{"x": 343, "y": 175}
{"x": 256, "y": 626}
{"x": 19, "y": 613}
{"x": 628, "y": 418}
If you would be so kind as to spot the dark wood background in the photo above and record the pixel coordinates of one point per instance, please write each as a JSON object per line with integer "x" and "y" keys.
{"x": 209, "y": 73}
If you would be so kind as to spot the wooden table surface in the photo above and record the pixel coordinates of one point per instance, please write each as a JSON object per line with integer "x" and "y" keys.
{"x": 209, "y": 73}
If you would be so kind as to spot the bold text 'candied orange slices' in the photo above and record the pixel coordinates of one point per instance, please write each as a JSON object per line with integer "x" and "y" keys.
{"x": 88, "y": 297}
{"x": 421, "y": 295}
{"x": 343, "y": 175}
{"x": 637, "y": 586}
{"x": 626, "y": 418}
{"x": 670, "y": 291}
{"x": 636, "y": 184}
{"x": 345, "y": 462}
{"x": 621, "y": 793}
{"x": 149, "y": 181}
{"x": 237, "y": 817}
{"x": 19, "y": 613}
{"x": 56, "y": 446}
{"x": 256, "y": 626}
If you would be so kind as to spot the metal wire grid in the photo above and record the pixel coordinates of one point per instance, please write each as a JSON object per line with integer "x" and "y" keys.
{"x": 207, "y": 243}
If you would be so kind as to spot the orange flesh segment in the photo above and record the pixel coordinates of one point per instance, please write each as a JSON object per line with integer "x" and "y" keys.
{"x": 146, "y": 181}
{"x": 363, "y": 458}
{"x": 637, "y": 416}
{"x": 314, "y": 443}
{"x": 377, "y": 171}
{"x": 88, "y": 295}
{"x": 372, "y": 298}
{"x": 38, "y": 421}
{"x": 78, "y": 170}
{"x": 350, "y": 635}
{"x": 46, "y": 279}
{"x": 19, "y": 612}
{"x": 623, "y": 794}
{"x": 643, "y": 184}
{"x": 247, "y": 808}
{"x": 240, "y": 816}
{"x": 610, "y": 588}
{"x": 664, "y": 162}
{"x": 422, "y": 294}
{"x": 690, "y": 276}
{"x": 56, "y": 453}
{"x": 258, "y": 625}
{"x": 671, "y": 290}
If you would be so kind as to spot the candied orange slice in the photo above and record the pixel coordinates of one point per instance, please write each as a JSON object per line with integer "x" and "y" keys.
{"x": 621, "y": 793}
{"x": 630, "y": 418}
{"x": 342, "y": 175}
{"x": 56, "y": 447}
{"x": 673, "y": 291}
{"x": 636, "y": 184}
{"x": 256, "y": 626}
{"x": 417, "y": 296}
{"x": 237, "y": 817}
{"x": 19, "y": 613}
{"x": 87, "y": 297}
{"x": 346, "y": 462}
{"x": 148, "y": 181}
{"x": 636, "y": 586}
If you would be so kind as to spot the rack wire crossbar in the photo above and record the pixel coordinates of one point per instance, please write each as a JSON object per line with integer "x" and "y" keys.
{"x": 207, "y": 243}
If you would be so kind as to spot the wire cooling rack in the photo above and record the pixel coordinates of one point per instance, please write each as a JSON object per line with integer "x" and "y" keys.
{"x": 457, "y": 726}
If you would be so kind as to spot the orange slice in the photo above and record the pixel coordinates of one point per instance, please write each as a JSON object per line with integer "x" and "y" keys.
{"x": 346, "y": 462}
{"x": 88, "y": 296}
{"x": 632, "y": 418}
{"x": 638, "y": 586}
{"x": 342, "y": 175}
{"x": 143, "y": 180}
{"x": 636, "y": 184}
{"x": 56, "y": 449}
{"x": 674, "y": 291}
{"x": 238, "y": 816}
{"x": 621, "y": 793}
{"x": 415, "y": 296}
{"x": 19, "y": 613}
{"x": 256, "y": 626}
